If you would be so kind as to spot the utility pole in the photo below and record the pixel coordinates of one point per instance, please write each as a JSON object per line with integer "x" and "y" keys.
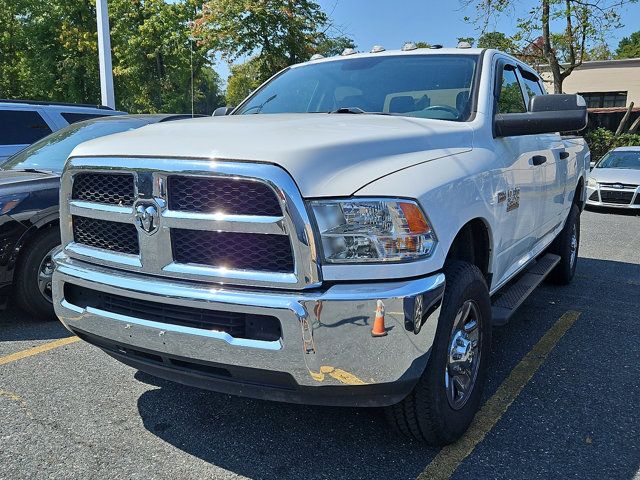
{"x": 104, "y": 54}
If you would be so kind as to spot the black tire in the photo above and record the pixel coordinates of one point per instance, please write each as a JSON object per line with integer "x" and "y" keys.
{"x": 27, "y": 290}
{"x": 563, "y": 246}
{"x": 426, "y": 413}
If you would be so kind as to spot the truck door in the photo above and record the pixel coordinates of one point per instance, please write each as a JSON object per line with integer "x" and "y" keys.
{"x": 521, "y": 201}
{"x": 554, "y": 168}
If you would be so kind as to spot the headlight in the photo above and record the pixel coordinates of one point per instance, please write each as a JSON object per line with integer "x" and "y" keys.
{"x": 591, "y": 182}
{"x": 373, "y": 230}
{"x": 9, "y": 202}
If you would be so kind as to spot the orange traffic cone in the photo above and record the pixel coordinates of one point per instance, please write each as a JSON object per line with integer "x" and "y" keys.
{"x": 378, "y": 324}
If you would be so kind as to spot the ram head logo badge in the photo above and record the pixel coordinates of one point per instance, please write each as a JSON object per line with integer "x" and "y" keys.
{"x": 147, "y": 217}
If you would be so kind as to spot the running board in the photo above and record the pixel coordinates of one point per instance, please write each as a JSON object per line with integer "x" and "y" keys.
{"x": 508, "y": 301}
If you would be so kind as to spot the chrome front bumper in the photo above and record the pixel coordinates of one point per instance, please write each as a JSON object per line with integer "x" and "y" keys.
{"x": 326, "y": 353}
{"x": 596, "y": 202}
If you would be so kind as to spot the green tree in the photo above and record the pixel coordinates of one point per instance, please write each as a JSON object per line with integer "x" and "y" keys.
{"x": 585, "y": 23}
{"x": 244, "y": 79}
{"x": 48, "y": 51}
{"x": 152, "y": 58}
{"x": 498, "y": 41}
{"x": 629, "y": 47}
{"x": 330, "y": 46}
{"x": 277, "y": 32}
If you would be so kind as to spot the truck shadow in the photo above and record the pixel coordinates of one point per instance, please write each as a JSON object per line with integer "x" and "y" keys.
{"x": 16, "y": 325}
{"x": 268, "y": 440}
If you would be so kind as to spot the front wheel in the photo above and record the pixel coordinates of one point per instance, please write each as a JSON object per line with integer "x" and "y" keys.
{"x": 444, "y": 401}
{"x": 34, "y": 273}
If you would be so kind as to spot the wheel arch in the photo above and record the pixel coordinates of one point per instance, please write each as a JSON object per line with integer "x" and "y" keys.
{"x": 33, "y": 232}
{"x": 473, "y": 243}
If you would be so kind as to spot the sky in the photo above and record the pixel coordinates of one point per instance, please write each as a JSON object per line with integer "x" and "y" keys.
{"x": 392, "y": 22}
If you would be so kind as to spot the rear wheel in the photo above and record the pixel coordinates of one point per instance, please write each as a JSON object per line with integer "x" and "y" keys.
{"x": 34, "y": 274}
{"x": 566, "y": 245}
{"x": 445, "y": 399}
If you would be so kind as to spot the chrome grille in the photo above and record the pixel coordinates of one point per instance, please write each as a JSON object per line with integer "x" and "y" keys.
{"x": 237, "y": 223}
{"x": 239, "y": 251}
{"x": 109, "y": 188}
{"x": 112, "y": 236}
{"x": 229, "y": 195}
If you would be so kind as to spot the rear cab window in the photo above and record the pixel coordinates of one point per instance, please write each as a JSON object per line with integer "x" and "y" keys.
{"x": 22, "y": 127}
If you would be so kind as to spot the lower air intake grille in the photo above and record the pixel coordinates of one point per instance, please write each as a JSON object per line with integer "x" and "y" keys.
{"x": 110, "y": 188}
{"x": 237, "y": 251}
{"x": 113, "y": 236}
{"x": 238, "y": 325}
{"x": 620, "y": 198}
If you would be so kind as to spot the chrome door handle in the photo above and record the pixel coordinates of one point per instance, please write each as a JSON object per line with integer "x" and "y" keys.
{"x": 538, "y": 160}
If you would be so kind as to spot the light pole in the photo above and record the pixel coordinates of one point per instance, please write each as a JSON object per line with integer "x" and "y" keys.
{"x": 191, "y": 39}
{"x": 104, "y": 54}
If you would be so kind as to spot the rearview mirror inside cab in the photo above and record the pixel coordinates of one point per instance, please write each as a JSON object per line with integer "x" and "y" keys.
{"x": 547, "y": 114}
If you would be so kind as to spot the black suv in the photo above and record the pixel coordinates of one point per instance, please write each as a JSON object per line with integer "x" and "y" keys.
{"x": 29, "y": 187}
{"x": 23, "y": 122}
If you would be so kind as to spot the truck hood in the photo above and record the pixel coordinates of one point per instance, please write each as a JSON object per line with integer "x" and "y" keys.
{"x": 326, "y": 154}
{"x": 616, "y": 175}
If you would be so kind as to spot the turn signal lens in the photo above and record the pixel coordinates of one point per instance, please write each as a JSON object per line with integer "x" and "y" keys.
{"x": 373, "y": 230}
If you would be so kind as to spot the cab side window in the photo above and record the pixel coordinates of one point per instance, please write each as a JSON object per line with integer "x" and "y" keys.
{"x": 510, "y": 99}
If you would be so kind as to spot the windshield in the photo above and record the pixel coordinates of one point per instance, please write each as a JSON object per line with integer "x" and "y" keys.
{"x": 425, "y": 86}
{"x": 51, "y": 152}
{"x": 621, "y": 159}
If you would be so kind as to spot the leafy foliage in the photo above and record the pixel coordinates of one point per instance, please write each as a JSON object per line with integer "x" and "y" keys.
{"x": 497, "y": 40}
{"x": 602, "y": 140}
{"x": 629, "y": 47}
{"x": 244, "y": 79}
{"x": 586, "y": 26}
{"x": 274, "y": 33}
{"x": 48, "y": 50}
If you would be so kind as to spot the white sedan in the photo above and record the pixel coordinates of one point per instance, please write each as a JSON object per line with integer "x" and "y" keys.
{"x": 615, "y": 179}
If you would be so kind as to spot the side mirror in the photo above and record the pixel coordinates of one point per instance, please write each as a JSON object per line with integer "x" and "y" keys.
{"x": 222, "y": 111}
{"x": 591, "y": 165}
{"x": 547, "y": 114}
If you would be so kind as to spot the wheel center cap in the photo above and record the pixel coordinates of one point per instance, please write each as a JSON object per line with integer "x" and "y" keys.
{"x": 460, "y": 352}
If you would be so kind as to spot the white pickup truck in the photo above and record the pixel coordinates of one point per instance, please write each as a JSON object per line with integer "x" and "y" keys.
{"x": 348, "y": 235}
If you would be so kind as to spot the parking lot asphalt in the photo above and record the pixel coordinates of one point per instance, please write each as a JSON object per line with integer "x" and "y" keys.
{"x": 562, "y": 400}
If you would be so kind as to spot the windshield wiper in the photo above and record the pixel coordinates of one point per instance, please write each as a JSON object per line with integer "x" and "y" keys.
{"x": 348, "y": 110}
{"x": 358, "y": 110}
{"x": 258, "y": 108}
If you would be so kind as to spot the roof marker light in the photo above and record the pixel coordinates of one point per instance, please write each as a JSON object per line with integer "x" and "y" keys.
{"x": 436, "y": 46}
{"x": 377, "y": 49}
{"x": 409, "y": 46}
{"x": 348, "y": 51}
{"x": 316, "y": 56}
{"x": 464, "y": 45}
